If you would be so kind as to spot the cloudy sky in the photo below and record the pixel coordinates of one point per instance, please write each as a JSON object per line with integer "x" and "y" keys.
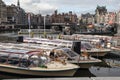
{"x": 77, "y": 6}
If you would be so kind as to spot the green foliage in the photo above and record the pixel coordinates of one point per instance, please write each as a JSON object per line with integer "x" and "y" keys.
{"x": 42, "y": 66}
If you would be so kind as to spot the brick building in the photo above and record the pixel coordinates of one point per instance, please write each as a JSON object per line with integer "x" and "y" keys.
{"x": 3, "y": 12}
{"x": 66, "y": 18}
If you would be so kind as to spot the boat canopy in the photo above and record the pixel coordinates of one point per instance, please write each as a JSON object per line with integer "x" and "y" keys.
{"x": 67, "y": 51}
{"x": 20, "y": 51}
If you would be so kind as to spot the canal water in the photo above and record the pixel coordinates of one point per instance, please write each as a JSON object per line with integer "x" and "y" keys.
{"x": 109, "y": 67}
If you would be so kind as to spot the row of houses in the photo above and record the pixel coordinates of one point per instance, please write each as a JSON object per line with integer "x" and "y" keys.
{"x": 101, "y": 16}
{"x": 13, "y": 16}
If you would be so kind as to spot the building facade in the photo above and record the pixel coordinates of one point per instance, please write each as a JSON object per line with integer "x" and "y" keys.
{"x": 100, "y": 14}
{"x": 66, "y": 18}
{"x": 14, "y": 15}
{"x": 11, "y": 15}
{"x": 118, "y": 17}
{"x": 87, "y": 18}
{"x": 3, "y": 12}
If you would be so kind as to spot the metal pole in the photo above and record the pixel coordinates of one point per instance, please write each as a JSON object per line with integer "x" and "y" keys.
{"x": 39, "y": 23}
{"x": 44, "y": 26}
{"x": 29, "y": 24}
{"x": 0, "y": 12}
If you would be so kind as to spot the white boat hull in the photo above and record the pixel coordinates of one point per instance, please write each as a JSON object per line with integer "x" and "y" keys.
{"x": 99, "y": 52}
{"x": 86, "y": 63}
{"x": 26, "y": 71}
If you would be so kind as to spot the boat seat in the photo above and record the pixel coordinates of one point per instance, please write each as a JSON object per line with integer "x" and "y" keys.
{"x": 70, "y": 59}
{"x": 3, "y": 59}
{"x": 24, "y": 63}
{"x": 13, "y": 62}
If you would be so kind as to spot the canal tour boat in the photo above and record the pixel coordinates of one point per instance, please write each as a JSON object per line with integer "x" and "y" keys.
{"x": 83, "y": 61}
{"x": 85, "y": 46}
{"x": 35, "y": 63}
{"x": 72, "y": 56}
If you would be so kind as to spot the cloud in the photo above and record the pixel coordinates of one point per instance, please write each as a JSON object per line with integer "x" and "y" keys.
{"x": 37, "y": 6}
{"x": 79, "y": 6}
{"x": 34, "y": 6}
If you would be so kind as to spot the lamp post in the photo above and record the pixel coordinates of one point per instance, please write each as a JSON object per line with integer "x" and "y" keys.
{"x": 0, "y": 13}
{"x": 39, "y": 24}
{"x": 29, "y": 23}
{"x": 44, "y": 26}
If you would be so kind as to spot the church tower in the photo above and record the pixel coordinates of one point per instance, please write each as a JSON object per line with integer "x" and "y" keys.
{"x": 18, "y": 3}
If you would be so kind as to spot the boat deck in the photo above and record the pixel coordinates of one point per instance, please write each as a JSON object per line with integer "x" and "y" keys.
{"x": 54, "y": 66}
{"x": 116, "y": 48}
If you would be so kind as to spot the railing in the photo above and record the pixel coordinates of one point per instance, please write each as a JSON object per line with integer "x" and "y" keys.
{"x": 36, "y": 30}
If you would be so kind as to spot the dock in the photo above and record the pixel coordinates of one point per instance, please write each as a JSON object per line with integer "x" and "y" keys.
{"x": 9, "y": 29}
{"x": 77, "y": 78}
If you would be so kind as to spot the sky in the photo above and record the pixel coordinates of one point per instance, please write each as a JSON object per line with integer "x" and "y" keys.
{"x": 77, "y": 6}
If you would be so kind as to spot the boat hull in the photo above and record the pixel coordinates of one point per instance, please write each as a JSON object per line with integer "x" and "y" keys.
{"x": 85, "y": 63}
{"x": 98, "y": 52}
{"x": 27, "y": 71}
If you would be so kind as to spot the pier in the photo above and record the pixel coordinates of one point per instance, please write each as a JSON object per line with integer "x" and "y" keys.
{"x": 9, "y": 29}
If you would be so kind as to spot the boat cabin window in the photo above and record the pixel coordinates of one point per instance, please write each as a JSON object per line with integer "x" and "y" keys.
{"x": 86, "y": 46}
{"x": 3, "y": 54}
{"x": 15, "y": 56}
{"x": 26, "y": 56}
{"x": 3, "y": 57}
{"x": 70, "y": 52}
{"x": 38, "y": 60}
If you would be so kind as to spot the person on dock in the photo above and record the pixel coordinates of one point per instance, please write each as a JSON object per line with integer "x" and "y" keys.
{"x": 102, "y": 42}
{"x": 52, "y": 54}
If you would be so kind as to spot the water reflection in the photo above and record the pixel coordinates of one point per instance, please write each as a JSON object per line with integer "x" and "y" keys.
{"x": 84, "y": 73}
{"x": 105, "y": 72}
{"x": 110, "y": 67}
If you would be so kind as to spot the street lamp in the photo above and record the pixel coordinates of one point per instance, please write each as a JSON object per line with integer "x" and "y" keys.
{"x": 39, "y": 24}
{"x": 44, "y": 26}
{"x": 0, "y": 13}
{"x": 29, "y": 23}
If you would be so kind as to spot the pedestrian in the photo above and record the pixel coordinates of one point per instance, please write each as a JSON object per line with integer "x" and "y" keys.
{"x": 52, "y": 54}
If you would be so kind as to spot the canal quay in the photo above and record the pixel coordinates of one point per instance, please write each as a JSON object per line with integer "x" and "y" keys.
{"x": 109, "y": 67}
